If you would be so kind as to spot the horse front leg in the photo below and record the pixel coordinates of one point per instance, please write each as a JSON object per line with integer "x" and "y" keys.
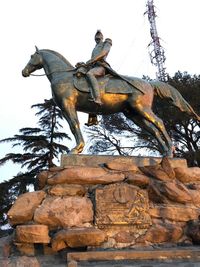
{"x": 71, "y": 116}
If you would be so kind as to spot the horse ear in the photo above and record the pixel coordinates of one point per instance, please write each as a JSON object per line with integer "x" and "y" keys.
{"x": 37, "y": 50}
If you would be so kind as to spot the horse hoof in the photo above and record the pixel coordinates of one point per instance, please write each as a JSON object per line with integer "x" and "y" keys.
{"x": 76, "y": 151}
{"x": 73, "y": 152}
{"x": 168, "y": 154}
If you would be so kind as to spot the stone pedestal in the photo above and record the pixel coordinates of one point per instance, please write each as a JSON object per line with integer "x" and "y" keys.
{"x": 92, "y": 161}
{"x": 110, "y": 202}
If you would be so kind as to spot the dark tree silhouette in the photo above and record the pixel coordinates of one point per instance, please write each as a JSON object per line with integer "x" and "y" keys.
{"x": 39, "y": 146}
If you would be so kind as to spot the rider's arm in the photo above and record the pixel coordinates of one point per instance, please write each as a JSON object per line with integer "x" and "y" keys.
{"x": 104, "y": 52}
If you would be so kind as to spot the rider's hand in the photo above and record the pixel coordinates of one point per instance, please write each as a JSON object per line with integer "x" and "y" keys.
{"x": 79, "y": 64}
{"x": 89, "y": 62}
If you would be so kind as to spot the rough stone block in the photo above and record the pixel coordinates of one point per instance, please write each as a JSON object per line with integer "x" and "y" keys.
{"x": 156, "y": 172}
{"x": 64, "y": 212}
{"x": 43, "y": 176}
{"x": 6, "y": 246}
{"x": 195, "y": 195}
{"x": 166, "y": 192}
{"x": 67, "y": 190}
{"x": 32, "y": 234}
{"x": 166, "y": 165}
{"x": 177, "y": 213}
{"x": 47, "y": 250}
{"x": 187, "y": 175}
{"x": 27, "y": 249}
{"x": 78, "y": 237}
{"x": 121, "y": 164}
{"x": 27, "y": 261}
{"x": 85, "y": 175}
{"x": 137, "y": 179}
{"x": 192, "y": 231}
{"x": 160, "y": 233}
{"x": 58, "y": 244}
{"x": 23, "y": 209}
{"x": 72, "y": 264}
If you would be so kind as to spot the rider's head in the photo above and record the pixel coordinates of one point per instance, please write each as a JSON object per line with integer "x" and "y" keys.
{"x": 98, "y": 36}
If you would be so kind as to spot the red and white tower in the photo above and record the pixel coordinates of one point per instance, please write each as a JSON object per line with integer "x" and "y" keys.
{"x": 156, "y": 51}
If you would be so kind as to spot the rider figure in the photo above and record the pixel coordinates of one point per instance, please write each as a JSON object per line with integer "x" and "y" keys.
{"x": 97, "y": 64}
{"x": 96, "y": 68}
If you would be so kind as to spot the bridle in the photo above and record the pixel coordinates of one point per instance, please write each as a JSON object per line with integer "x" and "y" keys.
{"x": 46, "y": 74}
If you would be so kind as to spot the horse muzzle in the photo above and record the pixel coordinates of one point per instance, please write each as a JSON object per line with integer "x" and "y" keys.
{"x": 25, "y": 72}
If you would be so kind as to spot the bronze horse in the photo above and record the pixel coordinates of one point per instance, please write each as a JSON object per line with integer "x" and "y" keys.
{"x": 135, "y": 101}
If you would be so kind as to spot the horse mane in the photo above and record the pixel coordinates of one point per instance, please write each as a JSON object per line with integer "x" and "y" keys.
{"x": 59, "y": 56}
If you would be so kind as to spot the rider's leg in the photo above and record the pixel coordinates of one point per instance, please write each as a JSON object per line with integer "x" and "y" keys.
{"x": 91, "y": 75}
{"x": 95, "y": 88}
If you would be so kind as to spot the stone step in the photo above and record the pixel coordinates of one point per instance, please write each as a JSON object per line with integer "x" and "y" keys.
{"x": 93, "y": 161}
{"x": 186, "y": 253}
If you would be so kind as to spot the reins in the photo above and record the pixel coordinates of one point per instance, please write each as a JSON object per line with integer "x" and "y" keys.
{"x": 51, "y": 72}
{"x": 37, "y": 74}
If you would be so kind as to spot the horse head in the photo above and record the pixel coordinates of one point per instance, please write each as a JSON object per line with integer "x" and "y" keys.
{"x": 50, "y": 60}
{"x": 35, "y": 63}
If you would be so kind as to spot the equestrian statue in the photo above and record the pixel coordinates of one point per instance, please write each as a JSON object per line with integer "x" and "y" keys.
{"x": 96, "y": 89}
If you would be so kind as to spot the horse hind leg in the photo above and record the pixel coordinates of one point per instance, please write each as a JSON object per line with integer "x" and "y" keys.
{"x": 141, "y": 105}
{"x": 159, "y": 125}
{"x": 143, "y": 108}
{"x": 150, "y": 128}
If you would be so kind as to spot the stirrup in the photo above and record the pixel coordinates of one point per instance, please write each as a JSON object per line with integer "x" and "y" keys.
{"x": 97, "y": 101}
{"x": 88, "y": 124}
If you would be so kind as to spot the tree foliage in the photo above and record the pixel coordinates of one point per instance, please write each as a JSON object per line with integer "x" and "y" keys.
{"x": 39, "y": 147}
{"x": 115, "y": 135}
{"x": 185, "y": 131}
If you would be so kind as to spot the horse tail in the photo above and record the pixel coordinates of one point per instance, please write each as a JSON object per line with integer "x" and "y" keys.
{"x": 164, "y": 90}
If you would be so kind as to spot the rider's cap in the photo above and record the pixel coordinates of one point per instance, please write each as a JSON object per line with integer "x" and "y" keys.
{"x": 99, "y": 33}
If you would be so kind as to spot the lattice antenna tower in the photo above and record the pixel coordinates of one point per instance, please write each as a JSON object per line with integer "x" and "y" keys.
{"x": 156, "y": 51}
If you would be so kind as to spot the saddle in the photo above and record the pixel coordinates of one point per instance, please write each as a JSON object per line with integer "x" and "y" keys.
{"x": 110, "y": 84}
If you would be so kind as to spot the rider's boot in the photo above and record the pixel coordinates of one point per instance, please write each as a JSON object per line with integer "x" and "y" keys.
{"x": 95, "y": 89}
{"x": 92, "y": 120}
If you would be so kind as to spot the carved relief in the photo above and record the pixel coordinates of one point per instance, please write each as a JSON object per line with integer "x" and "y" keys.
{"x": 122, "y": 204}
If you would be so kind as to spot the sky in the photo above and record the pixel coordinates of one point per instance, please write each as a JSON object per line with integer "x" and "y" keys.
{"x": 68, "y": 27}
